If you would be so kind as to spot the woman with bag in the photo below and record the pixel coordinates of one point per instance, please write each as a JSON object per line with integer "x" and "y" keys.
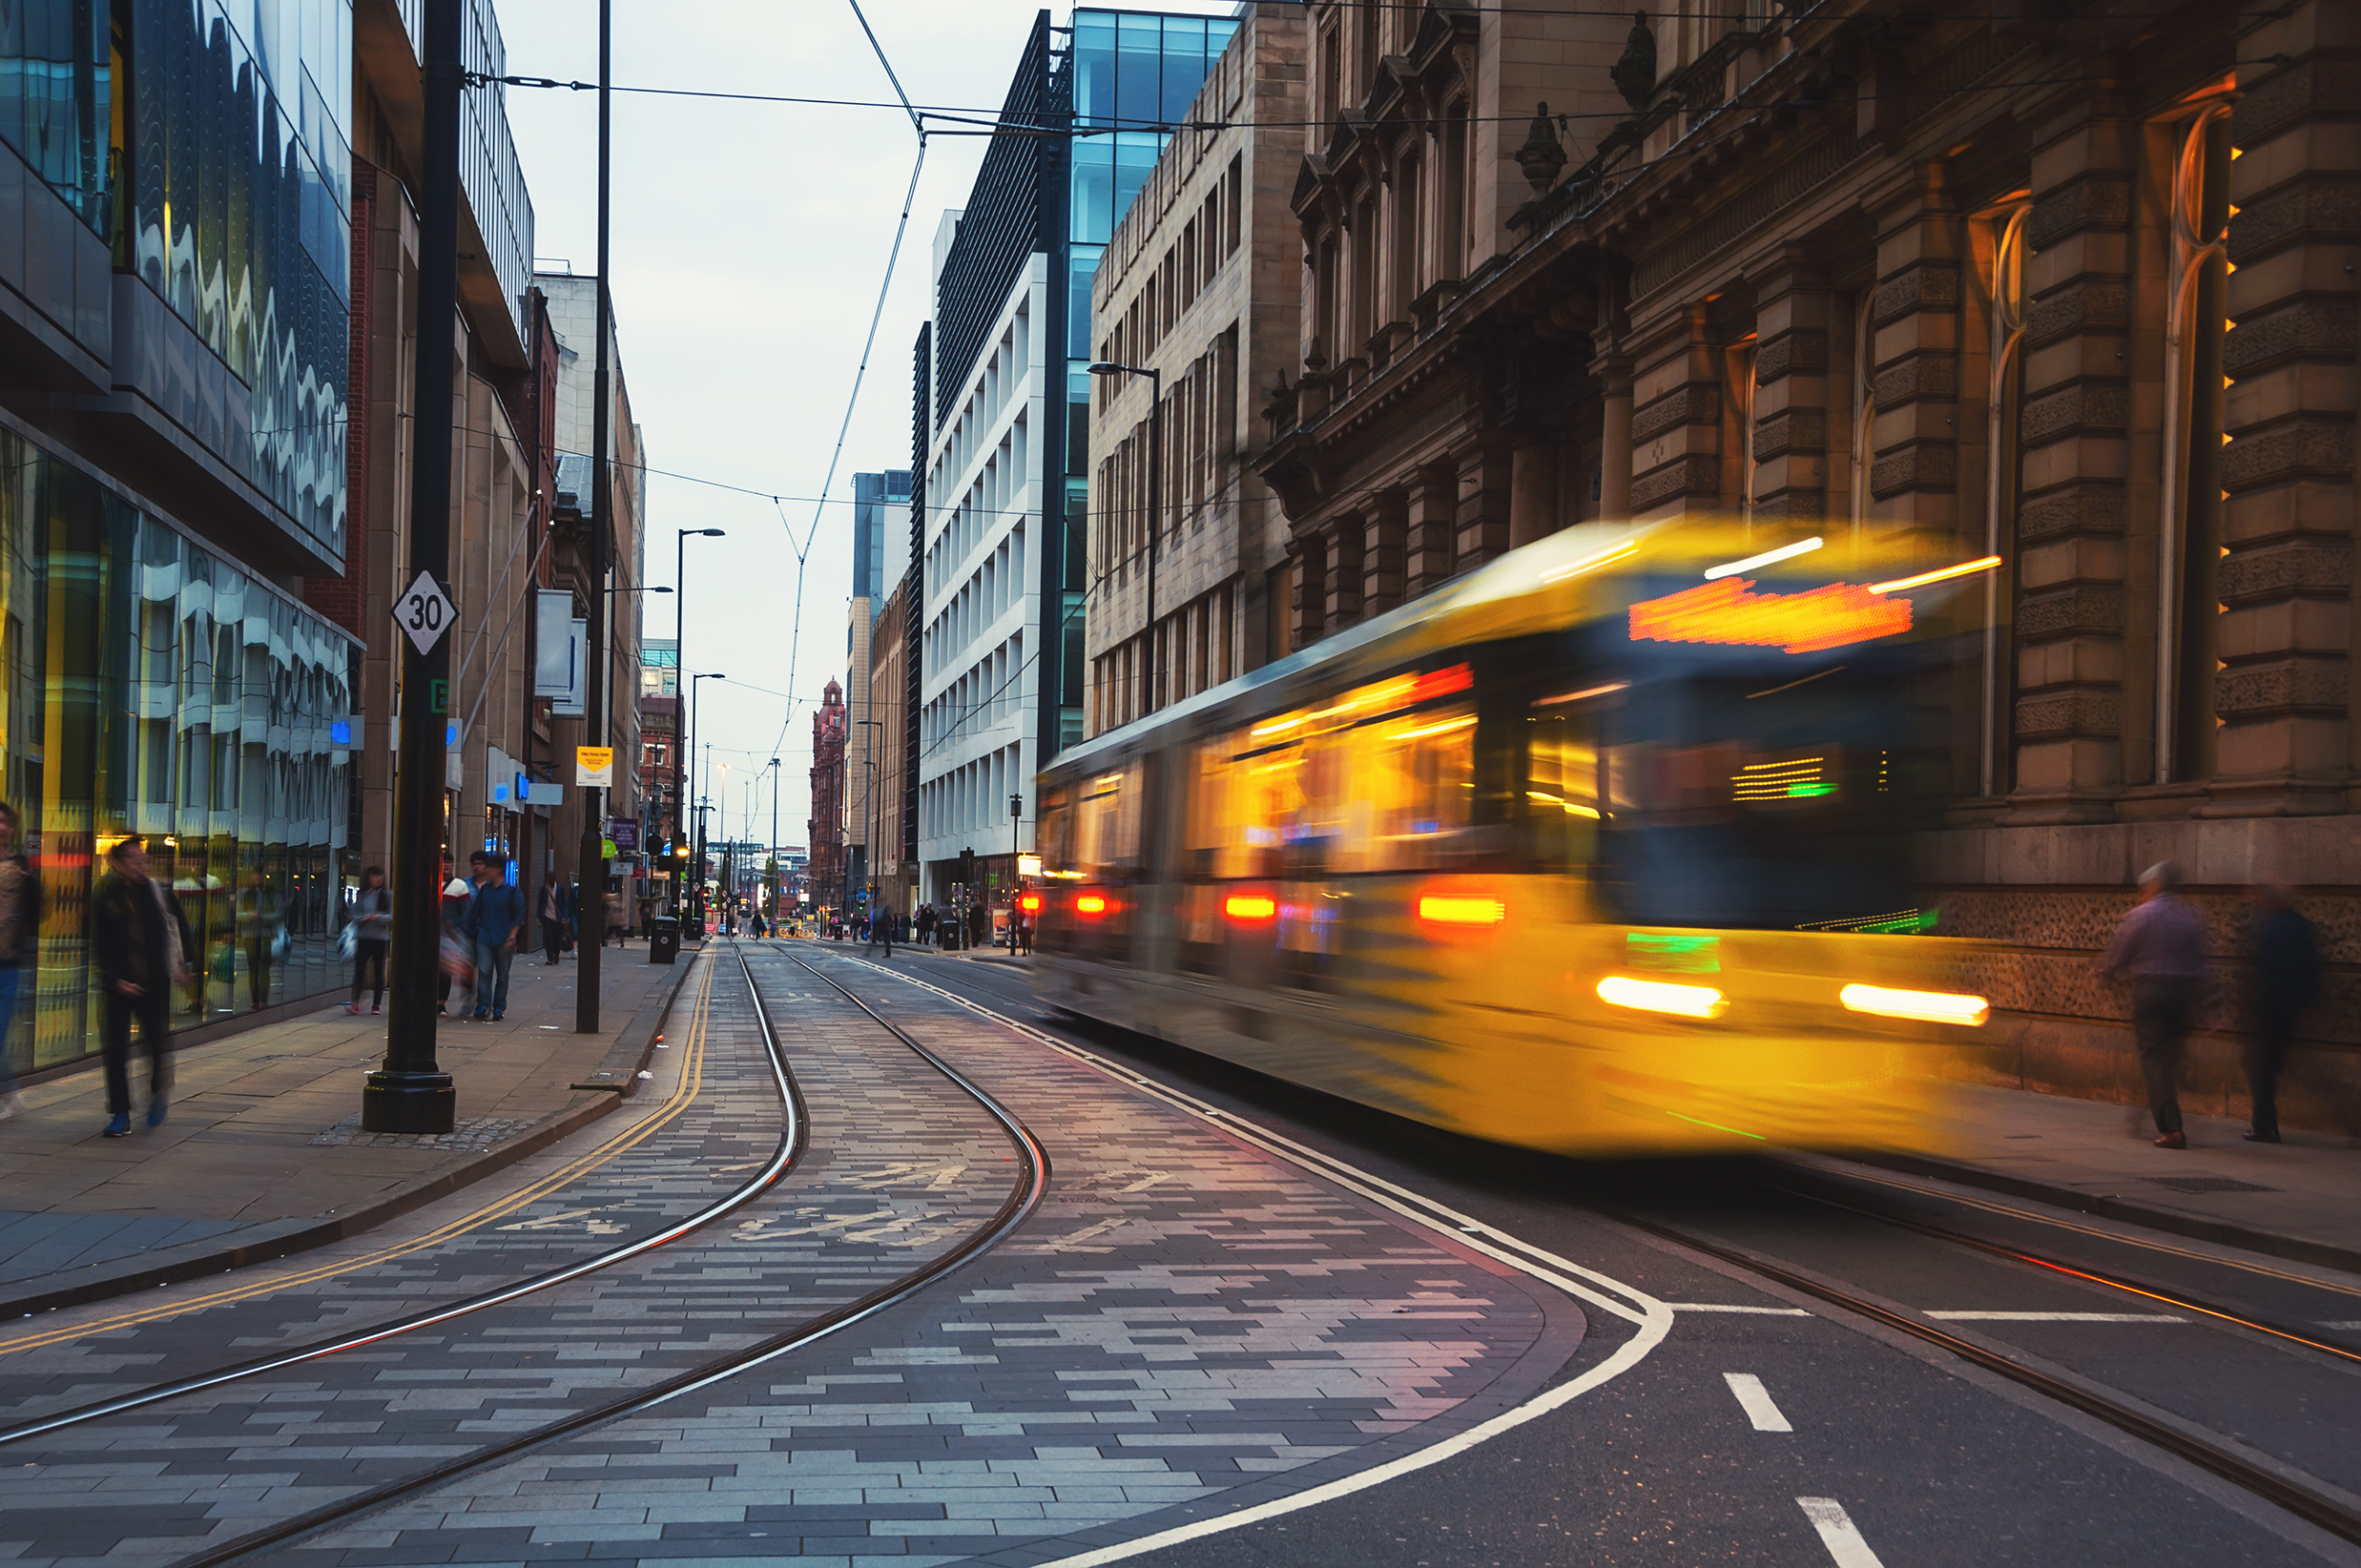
{"x": 371, "y": 932}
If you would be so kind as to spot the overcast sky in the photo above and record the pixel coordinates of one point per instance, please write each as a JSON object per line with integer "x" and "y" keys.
{"x": 749, "y": 241}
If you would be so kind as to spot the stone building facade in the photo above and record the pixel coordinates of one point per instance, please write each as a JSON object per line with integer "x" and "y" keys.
{"x": 1198, "y": 285}
{"x": 2077, "y": 291}
{"x": 826, "y": 826}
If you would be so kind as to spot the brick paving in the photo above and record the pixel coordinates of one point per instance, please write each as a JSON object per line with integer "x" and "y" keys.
{"x": 1184, "y": 1321}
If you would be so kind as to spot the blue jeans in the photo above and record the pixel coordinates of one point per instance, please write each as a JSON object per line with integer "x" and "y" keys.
{"x": 491, "y": 975}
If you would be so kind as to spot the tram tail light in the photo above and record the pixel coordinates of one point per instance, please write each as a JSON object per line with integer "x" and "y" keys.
{"x": 1662, "y": 997}
{"x": 1089, "y": 903}
{"x": 1926, "y": 1007}
{"x": 1462, "y": 911}
{"x": 1031, "y": 903}
{"x": 1250, "y": 906}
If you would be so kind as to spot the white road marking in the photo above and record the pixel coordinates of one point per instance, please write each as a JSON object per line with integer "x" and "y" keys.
{"x": 2057, "y": 1318}
{"x": 1728, "y": 1306}
{"x": 1755, "y": 1400}
{"x": 1838, "y": 1533}
{"x": 2351, "y": 1324}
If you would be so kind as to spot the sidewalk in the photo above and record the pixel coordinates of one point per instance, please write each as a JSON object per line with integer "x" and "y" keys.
{"x": 2292, "y": 1200}
{"x": 263, "y": 1155}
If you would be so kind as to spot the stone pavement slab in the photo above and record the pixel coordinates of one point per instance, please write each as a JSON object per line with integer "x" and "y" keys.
{"x": 2294, "y": 1199}
{"x": 262, "y": 1153}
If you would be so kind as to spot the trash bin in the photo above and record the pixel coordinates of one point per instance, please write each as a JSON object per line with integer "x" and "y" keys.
{"x": 663, "y": 939}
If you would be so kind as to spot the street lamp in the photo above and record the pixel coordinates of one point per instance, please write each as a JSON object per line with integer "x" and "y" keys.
{"x": 680, "y": 611}
{"x": 689, "y": 694}
{"x": 1155, "y": 515}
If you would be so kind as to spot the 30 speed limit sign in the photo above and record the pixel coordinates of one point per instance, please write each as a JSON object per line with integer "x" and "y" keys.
{"x": 423, "y": 613}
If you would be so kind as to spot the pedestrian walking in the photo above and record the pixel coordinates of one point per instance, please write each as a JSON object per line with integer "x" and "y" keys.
{"x": 20, "y": 925}
{"x": 552, "y": 917}
{"x": 2159, "y": 951}
{"x": 1020, "y": 933}
{"x": 260, "y": 922}
{"x": 2286, "y": 980}
{"x": 881, "y": 929}
{"x": 615, "y": 927}
{"x": 495, "y": 917}
{"x": 457, "y": 962}
{"x": 925, "y": 924}
{"x": 139, "y": 945}
{"x": 372, "y": 918}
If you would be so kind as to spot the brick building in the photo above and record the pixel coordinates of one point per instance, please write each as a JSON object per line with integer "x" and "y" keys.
{"x": 826, "y": 826}
{"x": 2072, "y": 290}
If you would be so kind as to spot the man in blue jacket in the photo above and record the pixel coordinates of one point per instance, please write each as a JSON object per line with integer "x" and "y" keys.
{"x": 494, "y": 918}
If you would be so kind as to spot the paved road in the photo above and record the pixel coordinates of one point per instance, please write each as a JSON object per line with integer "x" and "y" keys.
{"x": 1235, "y": 1303}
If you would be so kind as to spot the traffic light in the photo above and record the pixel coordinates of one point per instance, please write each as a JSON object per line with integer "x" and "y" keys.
{"x": 967, "y": 867}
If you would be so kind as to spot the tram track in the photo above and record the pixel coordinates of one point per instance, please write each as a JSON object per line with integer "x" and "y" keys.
{"x": 2277, "y": 1483}
{"x": 1022, "y": 1197}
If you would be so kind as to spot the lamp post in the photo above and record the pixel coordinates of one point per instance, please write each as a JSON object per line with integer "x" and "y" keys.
{"x": 410, "y": 1092}
{"x": 1155, "y": 513}
{"x": 681, "y": 803}
{"x": 681, "y": 696}
{"x": 592, "y": 870}
{"x": 771, "y": 873}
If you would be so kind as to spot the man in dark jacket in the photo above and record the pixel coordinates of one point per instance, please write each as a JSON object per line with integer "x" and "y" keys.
{"x": 2286, "y": 980}
{"x": 140, "y": 944}
{"x": 494, "y": 918}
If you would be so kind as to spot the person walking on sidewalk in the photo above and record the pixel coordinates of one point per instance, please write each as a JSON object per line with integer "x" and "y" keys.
{"x": 2160, "y": 949}
{"x": 457, "y": 962}
{"x": 20, "y": 928}
{"x": 139, "y": 945}
{"x": 2286, "y": 980}
{"x": 495, "y": 917}
{"x": 372, "y": 918}
{"x": 552, "y": 917}
{"x": 881, "y": 927}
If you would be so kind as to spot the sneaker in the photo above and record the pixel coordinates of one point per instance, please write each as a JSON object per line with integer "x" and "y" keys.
{"x": 10, "y": 1104}
{"x": 2173, "y": 1140}
{"x": 480, "y": 1015}
{"x": 156, "y": 1112}
{"x": 353, "y": 1007}
{"x": 497, "y": 1017}
{"x": 375, "y": 1008}
{"x": 120, "y": 1126}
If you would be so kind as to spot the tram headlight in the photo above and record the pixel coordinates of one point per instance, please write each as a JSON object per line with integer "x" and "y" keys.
{"x": 1926, "y": 1007}
{"x": 1662, "y": 997}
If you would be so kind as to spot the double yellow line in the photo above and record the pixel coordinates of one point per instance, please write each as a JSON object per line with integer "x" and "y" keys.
{"x": 691, "y": 1081}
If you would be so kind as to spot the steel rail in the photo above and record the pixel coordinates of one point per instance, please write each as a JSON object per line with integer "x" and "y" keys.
{"x": 2326, "y": 1513}
{"x": 1024, "y": 1197}
{"x": 2156, "y": 1293}
{"x": 790, "y": 1147}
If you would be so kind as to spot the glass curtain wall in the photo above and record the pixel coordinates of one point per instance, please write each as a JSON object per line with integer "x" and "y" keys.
{"x": 152, "y": 687}
{"x": 233, "y": 168}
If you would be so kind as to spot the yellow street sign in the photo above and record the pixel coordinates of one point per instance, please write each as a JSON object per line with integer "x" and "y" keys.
{"x": 594, "y": 767}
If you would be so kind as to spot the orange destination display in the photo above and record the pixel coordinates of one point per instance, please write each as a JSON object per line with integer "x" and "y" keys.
{"x": 1731, "y": 612}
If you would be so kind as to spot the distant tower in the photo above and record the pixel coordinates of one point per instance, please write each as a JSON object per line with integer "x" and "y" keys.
{"x": 826, "y": 827}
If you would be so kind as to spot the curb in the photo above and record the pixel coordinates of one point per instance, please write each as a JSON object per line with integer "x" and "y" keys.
{"x": 279, "y": 1238}
{"x": 2108, "y": 1205}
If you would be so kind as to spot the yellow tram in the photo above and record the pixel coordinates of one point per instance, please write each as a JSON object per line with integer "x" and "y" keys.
{"x": 1601, "y": 849}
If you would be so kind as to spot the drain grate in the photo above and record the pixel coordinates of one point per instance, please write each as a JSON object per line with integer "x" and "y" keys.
{"x": 471, "y": 1137}
{"x": 2209, "y": 1183}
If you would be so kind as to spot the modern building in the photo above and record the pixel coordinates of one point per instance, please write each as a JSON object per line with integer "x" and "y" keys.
{"x": 828, "y": 861}
{"x": 880, "y": 555}
{"x": 1199, "y": 289}
{"x": 2066, "y": 291}
{"x": 175, "y": 302}
{"x": 1003, "y": 476}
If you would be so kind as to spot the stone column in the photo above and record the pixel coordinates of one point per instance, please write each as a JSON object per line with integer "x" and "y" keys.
{"x": 1532, "y": 491}
{"x": 1310, "y": 607}
{"x": 1433, "y": 527}
{"x": 1676, "y": 429}
{"x": 1791, "y": 389}
{"x": 1483, "y": 505}
{"x": 2288, "y": 744}
{"x": 1613, "y": 372}
{"x": 1914, "y": 472}
{"x": 2073, "y": 716}
{"x": 1382, "y": 551}
{"x": 1344, "y": 573}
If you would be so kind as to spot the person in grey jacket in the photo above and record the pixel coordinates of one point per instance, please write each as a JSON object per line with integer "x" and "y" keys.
{"x": 372, "y": 918}
{"x": 2160, "y": 949}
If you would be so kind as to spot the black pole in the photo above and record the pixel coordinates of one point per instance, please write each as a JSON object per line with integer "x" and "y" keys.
{"x": 775, "y": 865}
{"x": 409, "y": 1093}
{"x": 592, "y": 873}
{"x": 680, "y": 710}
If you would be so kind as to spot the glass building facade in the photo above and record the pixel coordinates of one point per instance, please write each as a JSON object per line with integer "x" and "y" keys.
{"x": 147, "y": 685}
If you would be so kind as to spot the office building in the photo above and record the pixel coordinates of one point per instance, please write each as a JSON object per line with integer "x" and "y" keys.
{"x": 1198, "y": 287}
{"x": 879, "y": 541}
{"x": 1002, "y": 478}
{"x": 176, "y": 294}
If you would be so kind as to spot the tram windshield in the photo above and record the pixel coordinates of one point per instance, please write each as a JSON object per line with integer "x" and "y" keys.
{"x": 1743, "y": 793}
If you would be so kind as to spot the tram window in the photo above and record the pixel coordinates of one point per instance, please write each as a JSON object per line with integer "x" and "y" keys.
{"x": 1055, "y": 833}
{"x": 1106, "y": 823}
{"x": 1565, "y": 794}
{"x": 1396, "y": 794}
